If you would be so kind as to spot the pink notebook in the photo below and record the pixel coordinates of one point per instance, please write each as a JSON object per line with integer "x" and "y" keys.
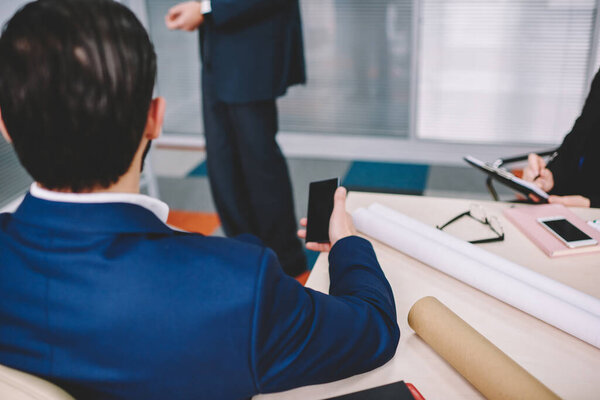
{"x": 525, "y": 218}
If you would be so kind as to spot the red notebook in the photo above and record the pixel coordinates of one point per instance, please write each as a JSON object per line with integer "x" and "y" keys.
{"x": 526, "y": 219}
{"x": 393, "y": 391}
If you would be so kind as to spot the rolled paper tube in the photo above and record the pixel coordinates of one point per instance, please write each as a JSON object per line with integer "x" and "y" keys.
{"x": 492, "y": 372}
{"x": 548, "y": 285}
{"x": 523, "y": 295}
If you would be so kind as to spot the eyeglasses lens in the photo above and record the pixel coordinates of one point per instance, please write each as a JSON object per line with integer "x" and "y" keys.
{"x": 478, "y": 213}
{"x": 495, "y": 225}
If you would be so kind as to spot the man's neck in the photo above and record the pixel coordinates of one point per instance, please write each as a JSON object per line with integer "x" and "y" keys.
{"x": 128, "y": 183}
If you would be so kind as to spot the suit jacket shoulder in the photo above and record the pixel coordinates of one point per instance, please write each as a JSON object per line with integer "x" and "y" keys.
{"x": 103, "y": 312}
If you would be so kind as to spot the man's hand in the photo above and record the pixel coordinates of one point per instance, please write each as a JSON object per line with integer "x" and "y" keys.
{"x": 340, "y": 224}
{"x": 570, "y": 201}
{"x": 185, "y": 16}
{"x": 537, "y": 173}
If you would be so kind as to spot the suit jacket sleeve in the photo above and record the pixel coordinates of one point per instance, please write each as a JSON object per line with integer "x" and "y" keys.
{"x": 226, "y": 12}
{"x": 303, "y": 337}
{"x": 566, "y": 168}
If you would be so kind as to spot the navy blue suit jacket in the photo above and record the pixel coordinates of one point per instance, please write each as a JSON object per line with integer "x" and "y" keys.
{"x": 253, "y": 48}
{"x": 109, "y": 303}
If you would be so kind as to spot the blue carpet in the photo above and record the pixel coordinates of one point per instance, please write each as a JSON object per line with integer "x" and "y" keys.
{"x": 311, "y": 258}
{"x": 200, "y": 170}
{"x": 387, "y": 177}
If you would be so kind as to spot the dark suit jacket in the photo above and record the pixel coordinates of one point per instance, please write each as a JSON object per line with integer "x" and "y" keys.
{"x": 576, "y": 169}
{"x": 109, "y": 303}
{"x": 253, "y": 48}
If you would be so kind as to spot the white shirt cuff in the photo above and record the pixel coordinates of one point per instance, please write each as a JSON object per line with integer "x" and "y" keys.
{"x": 205, "y": 6}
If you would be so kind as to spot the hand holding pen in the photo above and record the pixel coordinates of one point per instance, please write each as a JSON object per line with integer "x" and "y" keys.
{"x": 537, "y": 171}
{"x": 546, "y": 165}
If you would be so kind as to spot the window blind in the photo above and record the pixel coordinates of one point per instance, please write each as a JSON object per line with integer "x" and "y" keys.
{"x": 358, "y": 56}
{"x": 13, "y": 178}
{"x": 502, "y": 70}
{"x": 358, "y": 62}
{"x": 596, "y": 39}
{"x": 178, "y": 78}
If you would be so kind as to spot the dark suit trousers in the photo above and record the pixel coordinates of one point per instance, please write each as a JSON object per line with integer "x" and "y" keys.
{"x": 248, "y": 174}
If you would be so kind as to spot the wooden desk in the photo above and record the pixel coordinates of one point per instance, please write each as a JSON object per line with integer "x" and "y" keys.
{"x": 568, "y": 366}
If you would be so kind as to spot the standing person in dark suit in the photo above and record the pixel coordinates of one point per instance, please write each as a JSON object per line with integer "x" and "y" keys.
{"x": 252, "y": 51}
{"x": 573, "y": 176}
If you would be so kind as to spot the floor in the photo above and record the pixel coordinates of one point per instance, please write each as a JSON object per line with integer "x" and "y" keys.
{"x": 183, "y": 183}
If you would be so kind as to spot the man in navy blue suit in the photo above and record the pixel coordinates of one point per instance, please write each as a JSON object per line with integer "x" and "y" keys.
{"x": 251, "y": 52}
{"x": 98, "y": 294}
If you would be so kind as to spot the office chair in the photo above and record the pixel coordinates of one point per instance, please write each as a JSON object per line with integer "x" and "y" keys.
{"x": 17, "y": 385}
{"x": 502, "y": 162}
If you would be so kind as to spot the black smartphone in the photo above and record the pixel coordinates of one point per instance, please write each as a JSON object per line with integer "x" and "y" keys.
{"x": 320, "y": 207}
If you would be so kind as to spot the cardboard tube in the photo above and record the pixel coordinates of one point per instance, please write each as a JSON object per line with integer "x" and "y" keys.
{"x": 493, "y": 373}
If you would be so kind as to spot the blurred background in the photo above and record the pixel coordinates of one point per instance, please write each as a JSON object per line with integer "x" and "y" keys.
{"x": 406, "y": 85}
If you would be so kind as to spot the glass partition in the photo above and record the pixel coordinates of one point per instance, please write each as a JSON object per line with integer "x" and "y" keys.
{"x": 503, "y": 71}
{"x": 14, "y": 180}
{"x": 359, "y": 69}
{"x": 178, "y": 71}
{"x": 358, "y": 62}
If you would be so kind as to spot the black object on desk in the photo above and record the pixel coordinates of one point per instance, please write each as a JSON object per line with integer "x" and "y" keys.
{"x": 393, "y": 391}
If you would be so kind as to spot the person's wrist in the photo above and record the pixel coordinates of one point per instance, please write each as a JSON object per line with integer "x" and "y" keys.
{"x": 341, "y": 237}
{"x": 341, "y": 242}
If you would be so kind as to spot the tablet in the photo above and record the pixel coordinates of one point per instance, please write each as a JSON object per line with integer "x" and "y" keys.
{"x": 508, "y": 179}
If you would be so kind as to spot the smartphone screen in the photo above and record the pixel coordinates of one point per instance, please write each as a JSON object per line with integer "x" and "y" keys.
{"x": 320, "y": 206}
{"x": 566, "y": 230}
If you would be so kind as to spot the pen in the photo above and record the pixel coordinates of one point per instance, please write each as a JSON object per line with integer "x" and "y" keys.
{"x": 550, "y": 159}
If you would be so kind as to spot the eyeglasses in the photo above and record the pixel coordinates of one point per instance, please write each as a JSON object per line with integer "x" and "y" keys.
{"x": 477, "y": 213}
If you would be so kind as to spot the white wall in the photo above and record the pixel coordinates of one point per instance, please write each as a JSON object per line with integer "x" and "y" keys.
{"x": 8, "y": 8}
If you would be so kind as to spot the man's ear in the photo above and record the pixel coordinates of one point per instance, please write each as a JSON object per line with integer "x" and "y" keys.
{"x": 3, "y": 129}
{"x": 156, "y": 117}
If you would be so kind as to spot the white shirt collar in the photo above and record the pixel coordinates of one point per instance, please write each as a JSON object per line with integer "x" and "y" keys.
{"x": 160, "y": 209}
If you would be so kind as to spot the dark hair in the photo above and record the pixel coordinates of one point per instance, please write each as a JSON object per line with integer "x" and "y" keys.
{"x": 76, "y": 82}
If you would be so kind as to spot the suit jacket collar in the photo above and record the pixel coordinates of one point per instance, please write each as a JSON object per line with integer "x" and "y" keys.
{"x": 89, "y": 217}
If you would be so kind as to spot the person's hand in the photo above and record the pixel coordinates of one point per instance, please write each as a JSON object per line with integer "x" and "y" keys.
{"x": 185, "y": 16}
{"x": 537, "y": 173}
{"x": 340, "y": 224}
{"x": 570, "y": 201}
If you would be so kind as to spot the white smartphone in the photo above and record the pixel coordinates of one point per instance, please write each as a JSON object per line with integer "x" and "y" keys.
{"x": 567, "y": 232}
